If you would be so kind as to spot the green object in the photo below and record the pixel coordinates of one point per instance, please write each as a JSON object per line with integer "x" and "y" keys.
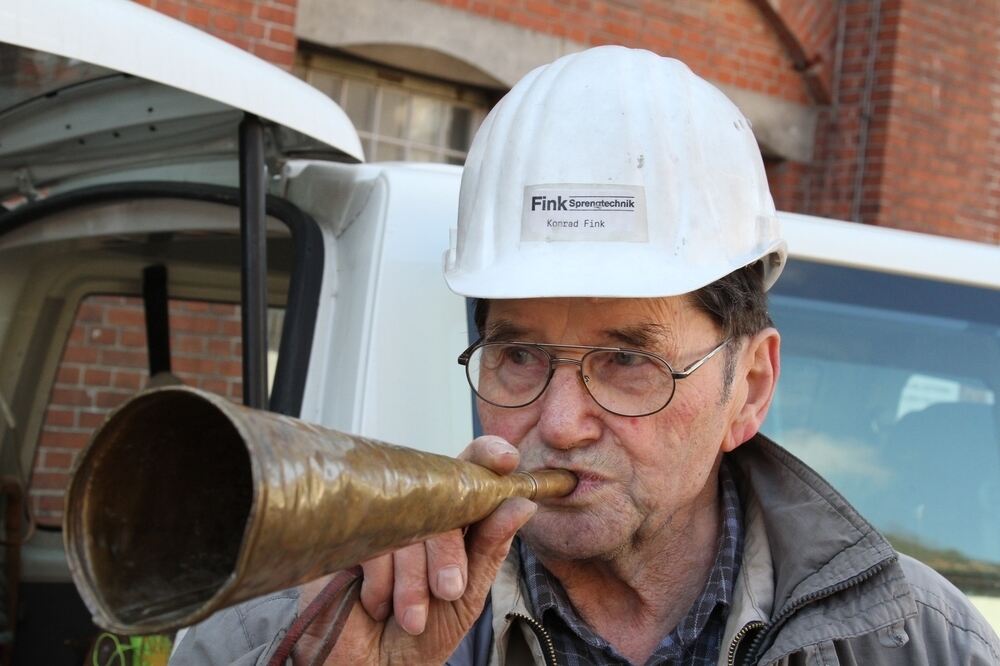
{"x": 114, "y": 650}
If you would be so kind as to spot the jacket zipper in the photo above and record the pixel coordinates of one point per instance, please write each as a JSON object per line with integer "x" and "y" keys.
{"x": 548, "y": 647}
{"x": 738, "y": 638}
{"x": 808, "y": 599}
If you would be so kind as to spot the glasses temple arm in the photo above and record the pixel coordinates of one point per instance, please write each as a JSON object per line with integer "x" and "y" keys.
{"x": 701, "y": 361}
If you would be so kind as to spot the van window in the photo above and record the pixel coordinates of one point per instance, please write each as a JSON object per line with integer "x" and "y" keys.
{"x": 889, "y": 389}
{"x": 105, "y": 362}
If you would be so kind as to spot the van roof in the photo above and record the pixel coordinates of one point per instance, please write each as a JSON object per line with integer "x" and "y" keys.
{"x": 891, "y": 250}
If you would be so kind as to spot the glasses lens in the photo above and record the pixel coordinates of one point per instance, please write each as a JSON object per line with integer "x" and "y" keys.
{"x": 508, "y": 375}
{"x": 627, "y": 382}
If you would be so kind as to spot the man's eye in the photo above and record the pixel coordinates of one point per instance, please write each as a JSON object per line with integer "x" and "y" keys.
{"x": 628, "y": 359}
{"x": 519, "y": 356}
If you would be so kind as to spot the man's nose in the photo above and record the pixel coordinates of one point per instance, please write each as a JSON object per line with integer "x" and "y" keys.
{"x": 569, "y": 415}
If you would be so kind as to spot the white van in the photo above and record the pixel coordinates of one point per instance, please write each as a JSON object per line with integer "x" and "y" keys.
{"x": 121, "y": 255}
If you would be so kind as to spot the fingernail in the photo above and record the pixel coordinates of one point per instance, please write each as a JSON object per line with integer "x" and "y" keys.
{"x": 501, "y": 449}
{"x": 414, "y": 620}
{"x": 382, "y": 612}
{"x": 450, "y": 583}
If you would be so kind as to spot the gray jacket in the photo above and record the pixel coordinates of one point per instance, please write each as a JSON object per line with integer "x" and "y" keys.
{"x": 818, "y": 585}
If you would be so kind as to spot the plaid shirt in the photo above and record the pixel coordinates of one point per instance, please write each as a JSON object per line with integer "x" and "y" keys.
{"x": 695, "y": 641}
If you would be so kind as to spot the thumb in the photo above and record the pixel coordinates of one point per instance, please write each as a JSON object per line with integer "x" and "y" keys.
{"x": 489, "y": 541}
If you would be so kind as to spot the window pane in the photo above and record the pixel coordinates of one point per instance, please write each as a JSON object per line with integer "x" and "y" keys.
{"x": 387, "y": 152}
{"x": 360, "y": 104}
{"x": 458, "y": 128}
{"x": 392, "y": 116}
{"x": 426, "y": 118}
{"x": 328, "y": 83}
{"x": 421, "y": 119}
{"x": 424, "y": 155}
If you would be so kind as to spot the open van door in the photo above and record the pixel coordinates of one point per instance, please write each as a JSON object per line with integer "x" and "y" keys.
{"x": 142, "y": 239}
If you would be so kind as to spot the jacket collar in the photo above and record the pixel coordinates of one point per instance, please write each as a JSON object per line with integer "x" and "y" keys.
{"x": 813, "y": 568}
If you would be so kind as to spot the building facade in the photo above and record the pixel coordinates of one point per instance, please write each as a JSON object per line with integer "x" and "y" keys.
{"x": 884, "y": 112}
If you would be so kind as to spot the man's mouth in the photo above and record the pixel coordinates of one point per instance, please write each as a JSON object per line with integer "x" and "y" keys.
{"x": 587, "y": 482}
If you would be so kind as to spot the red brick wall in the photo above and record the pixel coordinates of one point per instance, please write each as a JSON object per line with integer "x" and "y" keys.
{"x": 828, "y": 184}
{"x": 809, "y": 31}
{"x": 940, "y": 140}
{"x": 729, "y": 41}
{"x": 263, "y": 27}
{"x": 931, "y": 158}
{"x": 790, "y": 183}
{"x": 105, "y": 362}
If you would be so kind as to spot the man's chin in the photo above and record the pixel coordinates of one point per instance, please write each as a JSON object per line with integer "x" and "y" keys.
{"x": 571, "y": 535}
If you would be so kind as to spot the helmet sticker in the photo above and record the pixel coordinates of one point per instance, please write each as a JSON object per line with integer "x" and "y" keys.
{"x": 584, "y": 212}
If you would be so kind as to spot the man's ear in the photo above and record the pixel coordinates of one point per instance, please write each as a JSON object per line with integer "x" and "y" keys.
{"x": 757, "y": 369}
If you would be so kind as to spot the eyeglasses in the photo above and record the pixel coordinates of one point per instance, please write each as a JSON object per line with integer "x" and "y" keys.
{"x": 625, "y": 382}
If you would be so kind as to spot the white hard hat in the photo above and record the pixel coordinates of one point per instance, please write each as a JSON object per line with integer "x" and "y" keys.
{"x": 611, "y": 172}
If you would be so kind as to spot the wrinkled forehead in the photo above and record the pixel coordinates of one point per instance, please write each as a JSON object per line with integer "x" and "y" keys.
{"x": 636, "y": 322}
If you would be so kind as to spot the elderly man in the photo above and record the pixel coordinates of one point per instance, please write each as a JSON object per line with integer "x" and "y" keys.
{"x": 616, "y": 227}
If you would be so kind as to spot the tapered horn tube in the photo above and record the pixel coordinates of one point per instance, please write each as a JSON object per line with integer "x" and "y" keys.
{"x": 185, "y": 503}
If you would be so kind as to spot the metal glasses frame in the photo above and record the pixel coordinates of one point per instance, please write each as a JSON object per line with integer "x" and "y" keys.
{"x": 463, "y": 359}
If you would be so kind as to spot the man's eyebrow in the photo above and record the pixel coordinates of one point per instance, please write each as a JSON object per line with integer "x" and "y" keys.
{"x": 504, "y": 330}
{"x": 643, "y": 336}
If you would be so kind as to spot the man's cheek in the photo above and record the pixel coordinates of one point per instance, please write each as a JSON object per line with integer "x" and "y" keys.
{"x": 486, "y": 417}
{"x": 507, "y": 423}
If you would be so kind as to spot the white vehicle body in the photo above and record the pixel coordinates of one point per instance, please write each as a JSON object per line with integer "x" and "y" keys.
{"x": 371, "y": 333}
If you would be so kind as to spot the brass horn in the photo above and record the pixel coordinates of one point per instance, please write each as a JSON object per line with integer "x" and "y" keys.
{"x": 185, "y": 503}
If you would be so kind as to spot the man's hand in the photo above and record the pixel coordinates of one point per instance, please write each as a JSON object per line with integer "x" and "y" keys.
{"x": 418, "y": 602}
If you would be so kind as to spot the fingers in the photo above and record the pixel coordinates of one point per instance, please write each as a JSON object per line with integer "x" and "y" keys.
{"x": 402, "y": 583}
{"x": 376, "y": 589}
{"x": 492, "y": 452}
{"x": 489, "y": 540}
{"x": 445, "y": 574}
{"x": 410, "y": 597}
{"x": 447, "y": 565}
